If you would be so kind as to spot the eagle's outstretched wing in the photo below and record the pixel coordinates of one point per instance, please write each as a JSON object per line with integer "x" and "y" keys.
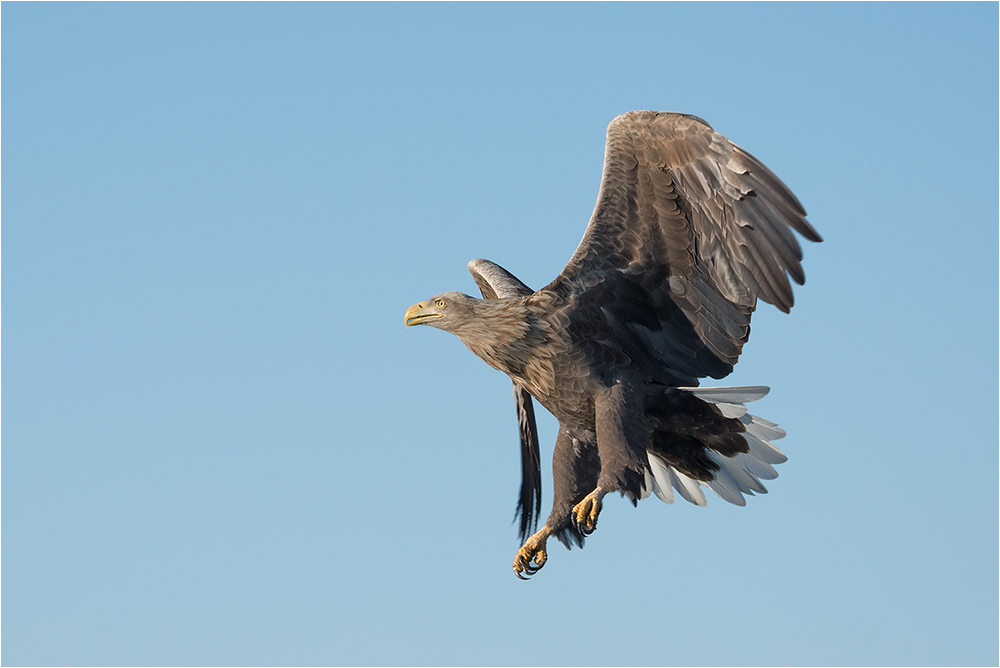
{"x": 494, "y": 281}
{"x": 695, "y": 225}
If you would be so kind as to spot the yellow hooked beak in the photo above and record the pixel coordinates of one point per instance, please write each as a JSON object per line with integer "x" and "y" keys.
{"x": 420, "y": 313}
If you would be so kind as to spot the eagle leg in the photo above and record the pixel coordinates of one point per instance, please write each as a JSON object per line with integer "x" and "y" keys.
{"x": 575, "y": 469}
{"x": 532, "y": 552}
{"x": 621, "y": 442}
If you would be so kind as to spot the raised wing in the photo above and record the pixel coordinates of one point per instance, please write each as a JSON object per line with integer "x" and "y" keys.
{"x": 496, "y": 282}
{"x": 697, "y": 224}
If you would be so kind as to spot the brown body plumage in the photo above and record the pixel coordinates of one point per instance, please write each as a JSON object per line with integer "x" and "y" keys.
{"x": 689, "y": 230}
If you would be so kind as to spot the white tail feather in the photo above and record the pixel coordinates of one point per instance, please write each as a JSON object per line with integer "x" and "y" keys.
{"x": 767, "y": 431}
{"x": 737, "y": 475}
{"x": 661, "y": 479}
{"x": 740, "y": 473}
{"x": 726, "y": 487}
{"x": 732, "y": 410}
{"x": 758, "y": 469}
{"x": 687, "y": 488}
{"x": 764, "y": 451}
{"x": 729, "y": 395}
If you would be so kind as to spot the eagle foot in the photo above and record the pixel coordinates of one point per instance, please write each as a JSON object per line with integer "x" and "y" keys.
{"x": 532, "y": 555}
{"x": 585, "y": 513}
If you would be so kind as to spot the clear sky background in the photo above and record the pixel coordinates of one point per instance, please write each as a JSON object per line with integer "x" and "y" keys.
{"x": 221, "y": 446}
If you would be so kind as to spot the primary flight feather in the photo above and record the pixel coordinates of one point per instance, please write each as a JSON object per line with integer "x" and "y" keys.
{"x": 688, "y": 232}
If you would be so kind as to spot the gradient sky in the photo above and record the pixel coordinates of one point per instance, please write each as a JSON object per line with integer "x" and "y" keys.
{"x": 221, "y": 446}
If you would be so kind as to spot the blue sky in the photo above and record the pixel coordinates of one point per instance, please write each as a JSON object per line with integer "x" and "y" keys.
{"x": 220, "y": 445}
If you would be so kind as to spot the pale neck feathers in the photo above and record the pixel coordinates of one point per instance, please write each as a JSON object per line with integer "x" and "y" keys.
{"x": 505, "y": 333}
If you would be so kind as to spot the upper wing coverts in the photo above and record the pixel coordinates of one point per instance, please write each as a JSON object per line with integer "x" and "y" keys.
{"x": 698, "y": 222}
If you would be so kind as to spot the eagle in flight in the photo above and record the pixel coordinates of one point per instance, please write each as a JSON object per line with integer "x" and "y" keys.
{"x": 688, "y": 232}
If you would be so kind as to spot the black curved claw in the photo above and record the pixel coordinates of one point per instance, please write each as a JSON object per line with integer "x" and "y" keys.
{"x": 526, "y": 570}
{"x": 519, "y": 567}
{"x": 584, "y": 529}
{"x": 531, "y": 570}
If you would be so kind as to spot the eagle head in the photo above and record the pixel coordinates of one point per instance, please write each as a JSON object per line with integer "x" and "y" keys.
{"x": 447, "y": 311}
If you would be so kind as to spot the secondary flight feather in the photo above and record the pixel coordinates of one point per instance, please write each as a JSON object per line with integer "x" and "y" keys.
{"x": 688, "y": 233}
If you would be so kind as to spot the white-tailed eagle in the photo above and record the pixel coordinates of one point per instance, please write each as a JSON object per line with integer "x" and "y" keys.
{"x": 688, "y": 232}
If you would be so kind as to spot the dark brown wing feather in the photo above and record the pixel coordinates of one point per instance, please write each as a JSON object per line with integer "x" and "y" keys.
{"x": 529, "y": 500}
{"x": 699, "y": 225}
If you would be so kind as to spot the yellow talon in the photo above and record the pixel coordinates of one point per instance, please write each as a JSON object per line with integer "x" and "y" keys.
{"x": 587, "y": 511}
{"x": 533, "y": 551}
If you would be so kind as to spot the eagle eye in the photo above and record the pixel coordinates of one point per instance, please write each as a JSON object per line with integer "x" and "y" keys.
{"x": 441, "y": 303}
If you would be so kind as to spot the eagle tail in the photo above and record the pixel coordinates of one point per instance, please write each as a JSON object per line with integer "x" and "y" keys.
{"x": 725, "y": 449}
